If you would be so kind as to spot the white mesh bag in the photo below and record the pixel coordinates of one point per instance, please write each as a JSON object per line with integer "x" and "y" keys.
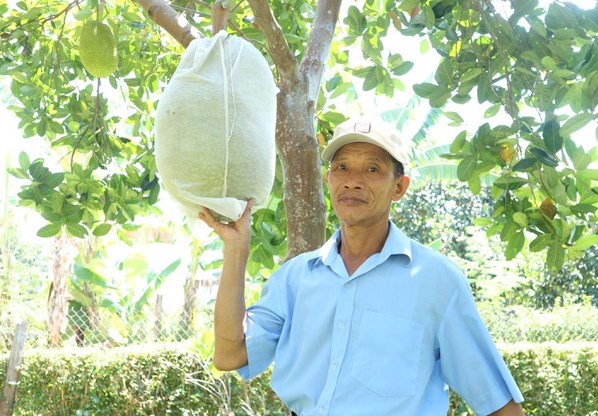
{"x": 215, "y": 125}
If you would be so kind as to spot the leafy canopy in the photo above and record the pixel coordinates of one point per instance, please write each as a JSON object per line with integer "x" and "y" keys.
{"x": 537, "y": 64}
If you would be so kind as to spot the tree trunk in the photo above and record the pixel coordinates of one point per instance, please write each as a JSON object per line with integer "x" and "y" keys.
{"x": 298, "y": 151}
{"x": 57, "y": 302}
{"x": 13, "y": 372}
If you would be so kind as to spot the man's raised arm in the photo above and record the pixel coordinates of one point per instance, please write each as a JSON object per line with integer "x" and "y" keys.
{"x": 229, "y": 313}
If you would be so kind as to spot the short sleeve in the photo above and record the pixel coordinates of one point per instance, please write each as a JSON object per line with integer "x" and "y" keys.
{"x": 470, "y": 362}
{"x": 264, "y": 323}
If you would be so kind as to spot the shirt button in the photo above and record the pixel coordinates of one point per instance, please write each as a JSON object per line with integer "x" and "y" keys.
{"x": 322, "y": 410}
{"x": 341, "y": 324}
{"x": 348, "y": 284}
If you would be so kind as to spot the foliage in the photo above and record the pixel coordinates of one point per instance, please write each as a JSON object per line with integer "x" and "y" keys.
{"x": 554, "y": 379}
{"x": 101, "y": 129}
{"x": 20, "y": 262}
{"x": 443, "y": 214}
{"x": 578, "y": 279}
{"x": 522, "y": 58}
{"x": 108, "y": 382}
{"x": 517, "y": 59}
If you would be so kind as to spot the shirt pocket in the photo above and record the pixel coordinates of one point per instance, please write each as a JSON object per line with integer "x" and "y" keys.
{"x": 387, "y": 354}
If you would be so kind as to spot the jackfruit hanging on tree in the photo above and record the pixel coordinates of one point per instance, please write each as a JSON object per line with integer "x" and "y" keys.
{"x": 97, "y": 49}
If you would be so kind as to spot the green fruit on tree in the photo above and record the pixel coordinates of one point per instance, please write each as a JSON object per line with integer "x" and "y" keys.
{"x": 97, "y": 49}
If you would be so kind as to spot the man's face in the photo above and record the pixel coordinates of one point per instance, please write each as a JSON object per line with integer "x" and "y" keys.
{"x": 362, "y": 184}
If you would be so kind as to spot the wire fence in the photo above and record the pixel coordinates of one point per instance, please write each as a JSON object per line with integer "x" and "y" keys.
{"x": 85, "y": 327}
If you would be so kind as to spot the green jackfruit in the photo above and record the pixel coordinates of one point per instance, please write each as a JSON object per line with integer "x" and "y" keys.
{"x": 97, "y": 49}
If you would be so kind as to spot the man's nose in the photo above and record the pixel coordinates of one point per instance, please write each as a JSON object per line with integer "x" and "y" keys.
{"x": 354, "y": 180}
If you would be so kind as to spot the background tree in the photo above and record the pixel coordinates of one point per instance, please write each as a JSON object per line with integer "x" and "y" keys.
{"x": 528, "y": 61}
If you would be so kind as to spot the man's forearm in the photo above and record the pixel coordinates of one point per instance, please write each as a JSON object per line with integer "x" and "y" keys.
{"x": 510, "y": 409}
{"x": 229, "y": 313}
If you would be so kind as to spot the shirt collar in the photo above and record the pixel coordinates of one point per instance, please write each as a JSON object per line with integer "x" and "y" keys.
{"x": 397, "y": 243}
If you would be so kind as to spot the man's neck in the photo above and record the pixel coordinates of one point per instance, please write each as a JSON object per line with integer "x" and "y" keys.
{"x": 358, "y": 244}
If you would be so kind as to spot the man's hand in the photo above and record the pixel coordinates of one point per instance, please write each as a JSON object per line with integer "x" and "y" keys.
{"x": 235, "y": 233}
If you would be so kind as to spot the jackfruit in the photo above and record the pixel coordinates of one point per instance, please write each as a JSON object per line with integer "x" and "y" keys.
{"x": 97, "y": 49}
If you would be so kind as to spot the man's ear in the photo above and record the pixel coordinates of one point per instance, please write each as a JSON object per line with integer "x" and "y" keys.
{"x": 401, "y": 187}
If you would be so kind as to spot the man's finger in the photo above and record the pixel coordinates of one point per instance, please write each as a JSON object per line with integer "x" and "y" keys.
{"x": 248, "y": 207}
{"x": 206, "y": 216}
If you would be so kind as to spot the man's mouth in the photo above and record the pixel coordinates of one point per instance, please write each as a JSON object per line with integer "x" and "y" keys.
{"x": 351, "y": 199}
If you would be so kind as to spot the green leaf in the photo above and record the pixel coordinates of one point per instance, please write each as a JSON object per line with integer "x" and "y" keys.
{"x": 482, "y": 221}
{"x": 24, "y": 162}
{"x": 475, "y": 184}
{"x": 84, "y": 13}
{"x": 170, "y": 268}
{"x": 583, "y": 208}
{"x": 485, "y": 91}
{"x": 402, "y": 69}
{"x": 471, "y": 74}
{"x": 492, "y": 110}
{"x": 102, "y": 230}
{"x": 524, "y": 164}
{"x": 522, "y": 8}
{"x": 454, "y": 116}
{"x": 407, "y": 5}
{"x": 514, "y": 246}
{"x": 445, "y": 73}
{"x": 54, "y": 180}
{"x": 520, "y": 219}
{"x": 85, "y": 274}
{"x": 575, "y": 123}
{"x": 466, "y": 168}
{"x": 552, "y": 136}
{"x": 458, "y": 142}
{"x": 425, "y": 89}
{"x": 543, "y": 157}
{"x": 510, "y": 182}
{"x": 585, "y": 242}
{"x": 49, "y": 230}
{"x": 555, "y": 256}
{"x": 18, "y": 173}
{"x": 539, "y": 243}
{"x": 76, "y": 230}
{"x": 548, "y": 63}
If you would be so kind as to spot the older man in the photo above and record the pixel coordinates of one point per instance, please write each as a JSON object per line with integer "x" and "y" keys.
{"x": 372, "y": 323}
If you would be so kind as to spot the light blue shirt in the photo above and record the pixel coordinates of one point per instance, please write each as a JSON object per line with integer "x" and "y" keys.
{"x": 384, "y": 341}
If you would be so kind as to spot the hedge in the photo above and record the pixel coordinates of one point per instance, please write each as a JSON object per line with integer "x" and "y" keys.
{"x": 556, "y": 379}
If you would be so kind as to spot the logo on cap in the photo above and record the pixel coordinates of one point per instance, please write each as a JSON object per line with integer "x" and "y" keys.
{"x": 362, "y": 127}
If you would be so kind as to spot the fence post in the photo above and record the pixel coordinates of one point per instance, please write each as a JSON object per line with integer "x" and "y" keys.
{"x": 11, "y": 381}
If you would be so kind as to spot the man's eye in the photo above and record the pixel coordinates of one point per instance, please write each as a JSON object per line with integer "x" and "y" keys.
{"x": 341, "y": 167}
{"x": 373, "y": 169}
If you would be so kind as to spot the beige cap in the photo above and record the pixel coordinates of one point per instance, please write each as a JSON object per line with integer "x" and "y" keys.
{"x": 374, "y": 131}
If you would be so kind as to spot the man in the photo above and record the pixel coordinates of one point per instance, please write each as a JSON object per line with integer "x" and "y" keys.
{"x": 372, "y": 323}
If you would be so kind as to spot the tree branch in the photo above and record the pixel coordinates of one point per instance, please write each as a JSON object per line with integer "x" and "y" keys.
{"x": 174, "y": 23}
{"x": 318, "y": 46}
{"x": 278, "y": 47}
{"x": 220, "y": 15}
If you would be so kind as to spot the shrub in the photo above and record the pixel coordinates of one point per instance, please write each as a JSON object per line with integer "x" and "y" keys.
{"x": 574, "y": 322}
{"x": 555, "y": 379}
